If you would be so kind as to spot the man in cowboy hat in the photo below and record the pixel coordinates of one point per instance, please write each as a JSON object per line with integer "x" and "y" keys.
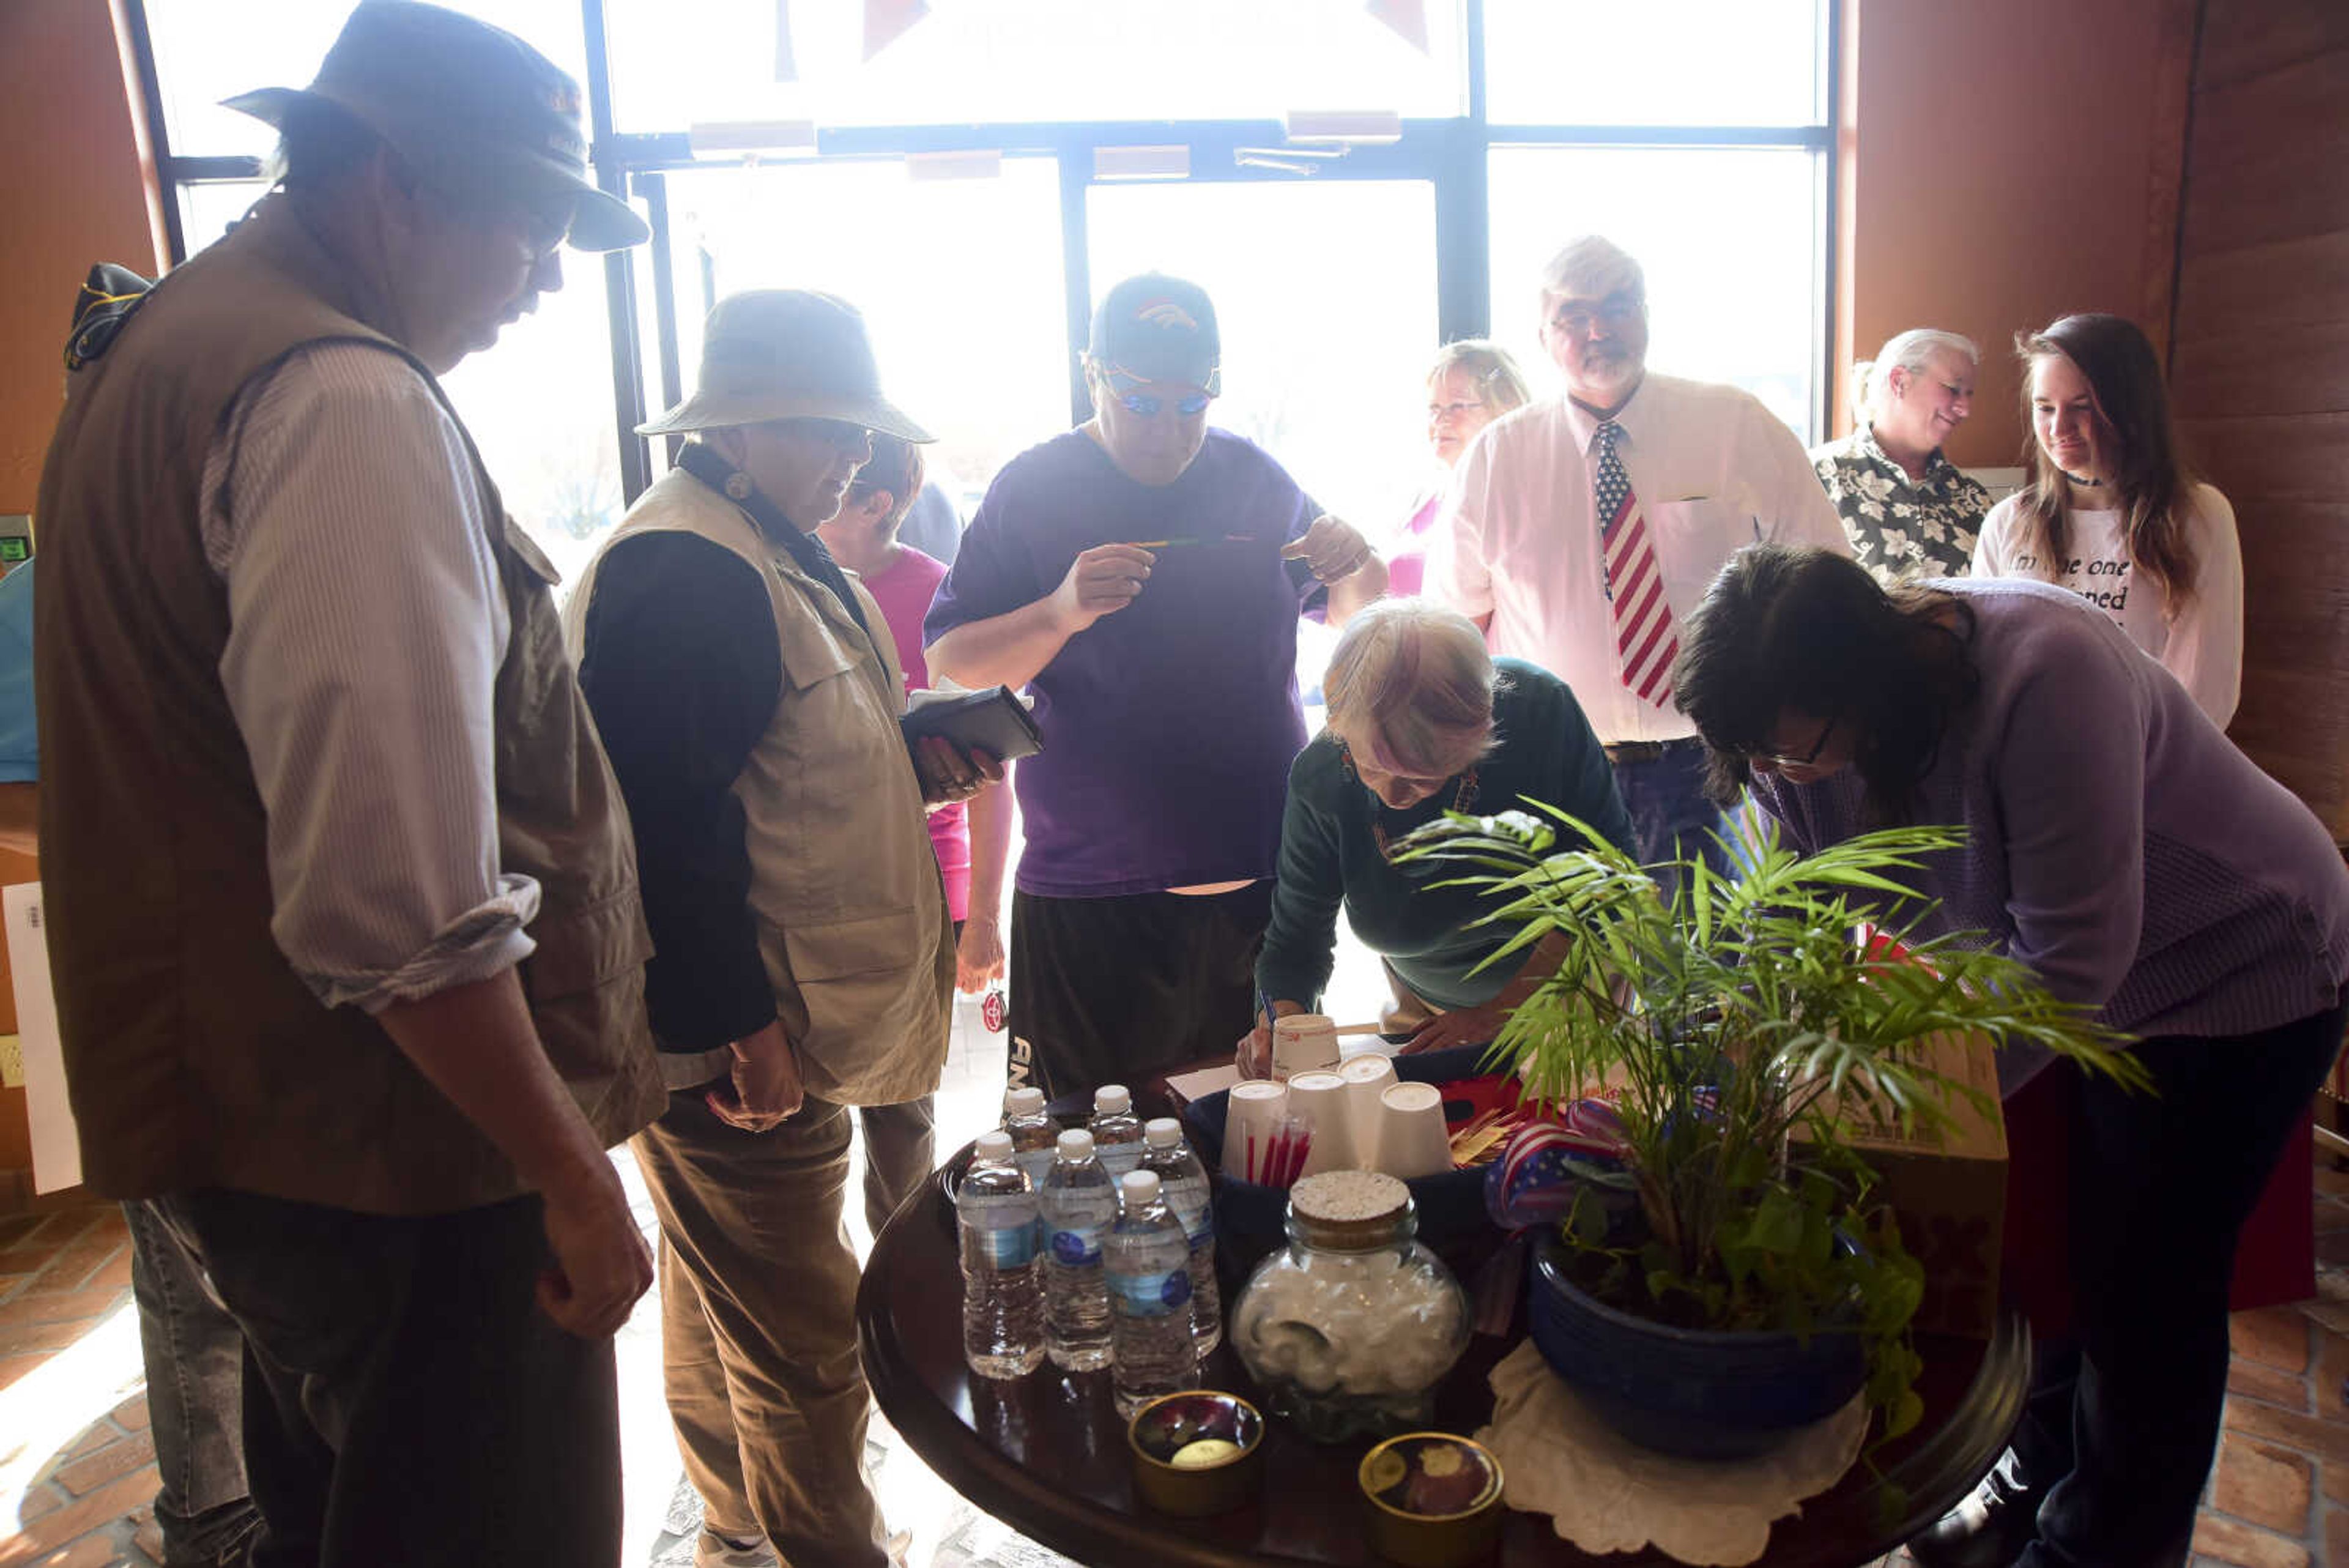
{"x": 749, "y": 692}
{"x": 342, "y": 900}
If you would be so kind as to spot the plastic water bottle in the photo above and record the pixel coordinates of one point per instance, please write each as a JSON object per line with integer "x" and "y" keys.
{"x": 1117, "y": 1131}
{"x": 1150, "y": 1297}
{"x": 1079, "y": 1205}
{"x": 1033, "y": 1134}
{"x": 1002, "y": 1298}
{"x": 1182, "y": 1182}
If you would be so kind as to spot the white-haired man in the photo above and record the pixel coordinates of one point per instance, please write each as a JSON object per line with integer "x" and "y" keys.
{"x": 1581, "y": 528}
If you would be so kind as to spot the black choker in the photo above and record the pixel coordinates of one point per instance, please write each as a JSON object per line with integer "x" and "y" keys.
{"x": 2086, "y": 484}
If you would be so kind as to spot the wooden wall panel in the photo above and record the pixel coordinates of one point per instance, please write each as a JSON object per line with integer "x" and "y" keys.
{"x": 2260, "y": 364}
{"x": 2262, "y": 373}
{"x": 2246, "y": 39}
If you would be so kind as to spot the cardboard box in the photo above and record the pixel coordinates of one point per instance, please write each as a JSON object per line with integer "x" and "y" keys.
{"x": 1950, "y": 1194}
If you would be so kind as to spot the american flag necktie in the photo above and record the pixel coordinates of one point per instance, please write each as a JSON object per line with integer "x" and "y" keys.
{"x": 1645, "y": 642}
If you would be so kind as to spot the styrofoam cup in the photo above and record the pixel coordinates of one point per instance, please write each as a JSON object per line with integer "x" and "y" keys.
{"x": 1319, "y": 1098}
{"x": 1412, "y": 1138}
{"x": 1367, "y": 1078}
{"x": 1303, "y": 1042}
{"x": 1250, "y": 1113}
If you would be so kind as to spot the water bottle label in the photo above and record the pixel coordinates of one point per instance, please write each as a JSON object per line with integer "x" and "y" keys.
{"x": 1007, "y": 1247}
{"x": 1076, "y": 1248}
{"x": 1152, "y": 1296}
{"x": 1198, "y": 1225}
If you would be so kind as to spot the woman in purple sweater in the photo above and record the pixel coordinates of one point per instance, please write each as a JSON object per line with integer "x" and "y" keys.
{"x": 2121, "y": 846}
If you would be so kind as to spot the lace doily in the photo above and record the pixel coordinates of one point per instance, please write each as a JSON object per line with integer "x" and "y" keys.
{"x": 1605, "y": 1494}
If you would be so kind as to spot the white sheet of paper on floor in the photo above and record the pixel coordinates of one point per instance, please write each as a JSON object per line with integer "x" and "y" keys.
{"x": 56, "y": 1143}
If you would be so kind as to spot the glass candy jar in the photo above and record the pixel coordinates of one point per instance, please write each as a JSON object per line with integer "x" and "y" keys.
{"x": 1350, "y": 1327}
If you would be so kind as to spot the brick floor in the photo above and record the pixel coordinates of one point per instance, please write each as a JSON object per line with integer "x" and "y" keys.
{"x": 2277, "y": 1497}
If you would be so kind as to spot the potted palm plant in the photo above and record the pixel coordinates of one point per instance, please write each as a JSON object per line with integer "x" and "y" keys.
{"x": 1762, "y": 1282}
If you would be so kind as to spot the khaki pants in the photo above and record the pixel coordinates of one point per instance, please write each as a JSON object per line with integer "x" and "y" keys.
{"x": 759, "y": 1328}
{"x": 900, "y": 1151}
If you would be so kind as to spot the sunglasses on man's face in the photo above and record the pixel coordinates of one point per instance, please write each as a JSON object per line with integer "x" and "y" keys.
{"x": 1147, "y": 405}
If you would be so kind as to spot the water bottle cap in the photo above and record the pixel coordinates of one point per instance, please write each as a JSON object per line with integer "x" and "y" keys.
{"x": 1112, "y": 1099}
{"x": 1162, "y": 1132}
{"x": 1139, "y": 1186}
{"x": 1076, "y": 1144}
{"x": 1023, "y": 1102}
{"x": 996, "y": 1144}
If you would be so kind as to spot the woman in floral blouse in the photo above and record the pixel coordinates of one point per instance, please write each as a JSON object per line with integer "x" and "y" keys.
{"x": 1909, "y": 511}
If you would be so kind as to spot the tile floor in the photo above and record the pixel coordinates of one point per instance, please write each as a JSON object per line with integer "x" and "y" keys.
{"x": 76, "y": 1463}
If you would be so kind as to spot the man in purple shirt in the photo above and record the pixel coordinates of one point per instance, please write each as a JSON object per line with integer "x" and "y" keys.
{"x": 1143, "y": 574}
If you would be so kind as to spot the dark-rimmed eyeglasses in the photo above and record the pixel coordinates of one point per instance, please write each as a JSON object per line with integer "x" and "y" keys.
{"x": 1787, "y": 760}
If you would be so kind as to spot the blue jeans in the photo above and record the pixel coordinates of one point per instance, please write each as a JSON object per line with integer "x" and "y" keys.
{"x": 1671, "y": 818}
{"x": 2123, "y": 1421}
{"x": 195, "y": 1373}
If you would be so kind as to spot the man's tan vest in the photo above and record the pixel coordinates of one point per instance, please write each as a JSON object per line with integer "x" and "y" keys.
{"x": 195, "y": 1056}
{"x": 844, "y": 885}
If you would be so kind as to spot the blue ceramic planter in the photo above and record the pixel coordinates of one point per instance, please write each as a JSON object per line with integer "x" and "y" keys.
{"x": 1699, "y": 1394}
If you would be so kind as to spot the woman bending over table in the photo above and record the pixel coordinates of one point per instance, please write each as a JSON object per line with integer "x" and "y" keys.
{"x": 2121, "y": 847}
{"x": 1422, "y": 721}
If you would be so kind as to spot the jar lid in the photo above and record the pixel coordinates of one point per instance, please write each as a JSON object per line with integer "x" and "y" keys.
{"x": 1351, "y": 1211}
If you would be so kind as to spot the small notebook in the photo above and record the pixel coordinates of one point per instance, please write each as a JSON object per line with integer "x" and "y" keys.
{"x": 993, "y": 721}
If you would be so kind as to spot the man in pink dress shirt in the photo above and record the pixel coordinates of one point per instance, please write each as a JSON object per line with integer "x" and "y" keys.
{"x": 1523, "y": 554}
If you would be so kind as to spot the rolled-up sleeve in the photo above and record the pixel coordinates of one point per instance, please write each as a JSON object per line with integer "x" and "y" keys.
{"x": 366, "y": 627}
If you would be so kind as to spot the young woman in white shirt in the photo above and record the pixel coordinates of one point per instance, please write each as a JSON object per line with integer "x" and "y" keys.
{"x": 2112, "y": 512}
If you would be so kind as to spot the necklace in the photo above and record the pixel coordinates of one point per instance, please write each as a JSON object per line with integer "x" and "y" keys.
{"x": 1462, "y": 799}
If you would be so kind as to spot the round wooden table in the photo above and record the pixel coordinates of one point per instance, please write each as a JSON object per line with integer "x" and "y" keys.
{"x": 1047, "y": 1454}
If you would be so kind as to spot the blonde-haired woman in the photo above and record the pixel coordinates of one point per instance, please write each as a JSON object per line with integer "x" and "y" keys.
{"x": 1906, "y": 507}
{"x": 1422, "y": 721}
{"x": 2113, "y": 512}
{"x": 1472, "y": 383}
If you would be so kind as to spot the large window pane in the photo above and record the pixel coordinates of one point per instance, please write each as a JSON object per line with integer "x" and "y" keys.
{"x": 207, "y": 211}
{"x": 959, "y": 281}
{"x": 206, "y": 50}
{"x": 989, "y": 61}
{"x": 1325, "y": 295}
{"x": 1657, "y": 62}
{"x": 539, "y": 404}
{"x": 1730, "y": 241}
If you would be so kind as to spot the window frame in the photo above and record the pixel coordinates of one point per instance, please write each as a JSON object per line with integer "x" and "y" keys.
{"x": 1450, "y": 154}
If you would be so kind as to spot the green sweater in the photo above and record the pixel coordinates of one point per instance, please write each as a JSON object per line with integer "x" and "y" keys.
{"x": 1544, "y": 749}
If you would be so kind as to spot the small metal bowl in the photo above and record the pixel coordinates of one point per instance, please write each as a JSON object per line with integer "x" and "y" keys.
{"x": 1198, "y": 1452}
{"x": 1432, "y": 1499}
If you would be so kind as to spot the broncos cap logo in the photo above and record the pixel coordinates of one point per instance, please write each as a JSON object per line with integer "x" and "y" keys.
{"x": 1165, "y": 315}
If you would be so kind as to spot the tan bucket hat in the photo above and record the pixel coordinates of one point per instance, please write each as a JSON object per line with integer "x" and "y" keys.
{"x": 470, "y": 106}
{"x": 785, "y": 354}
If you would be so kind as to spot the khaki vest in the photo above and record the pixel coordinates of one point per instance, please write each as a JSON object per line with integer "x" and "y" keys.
{"x": 194, "y": 1055}
{"x": 844, "y": 885}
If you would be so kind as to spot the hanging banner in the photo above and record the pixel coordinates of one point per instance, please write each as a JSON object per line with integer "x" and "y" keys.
{"x": 787, "y": 69}
{"x": 886, "y": 19}
{"x": 1407, "y": 18}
